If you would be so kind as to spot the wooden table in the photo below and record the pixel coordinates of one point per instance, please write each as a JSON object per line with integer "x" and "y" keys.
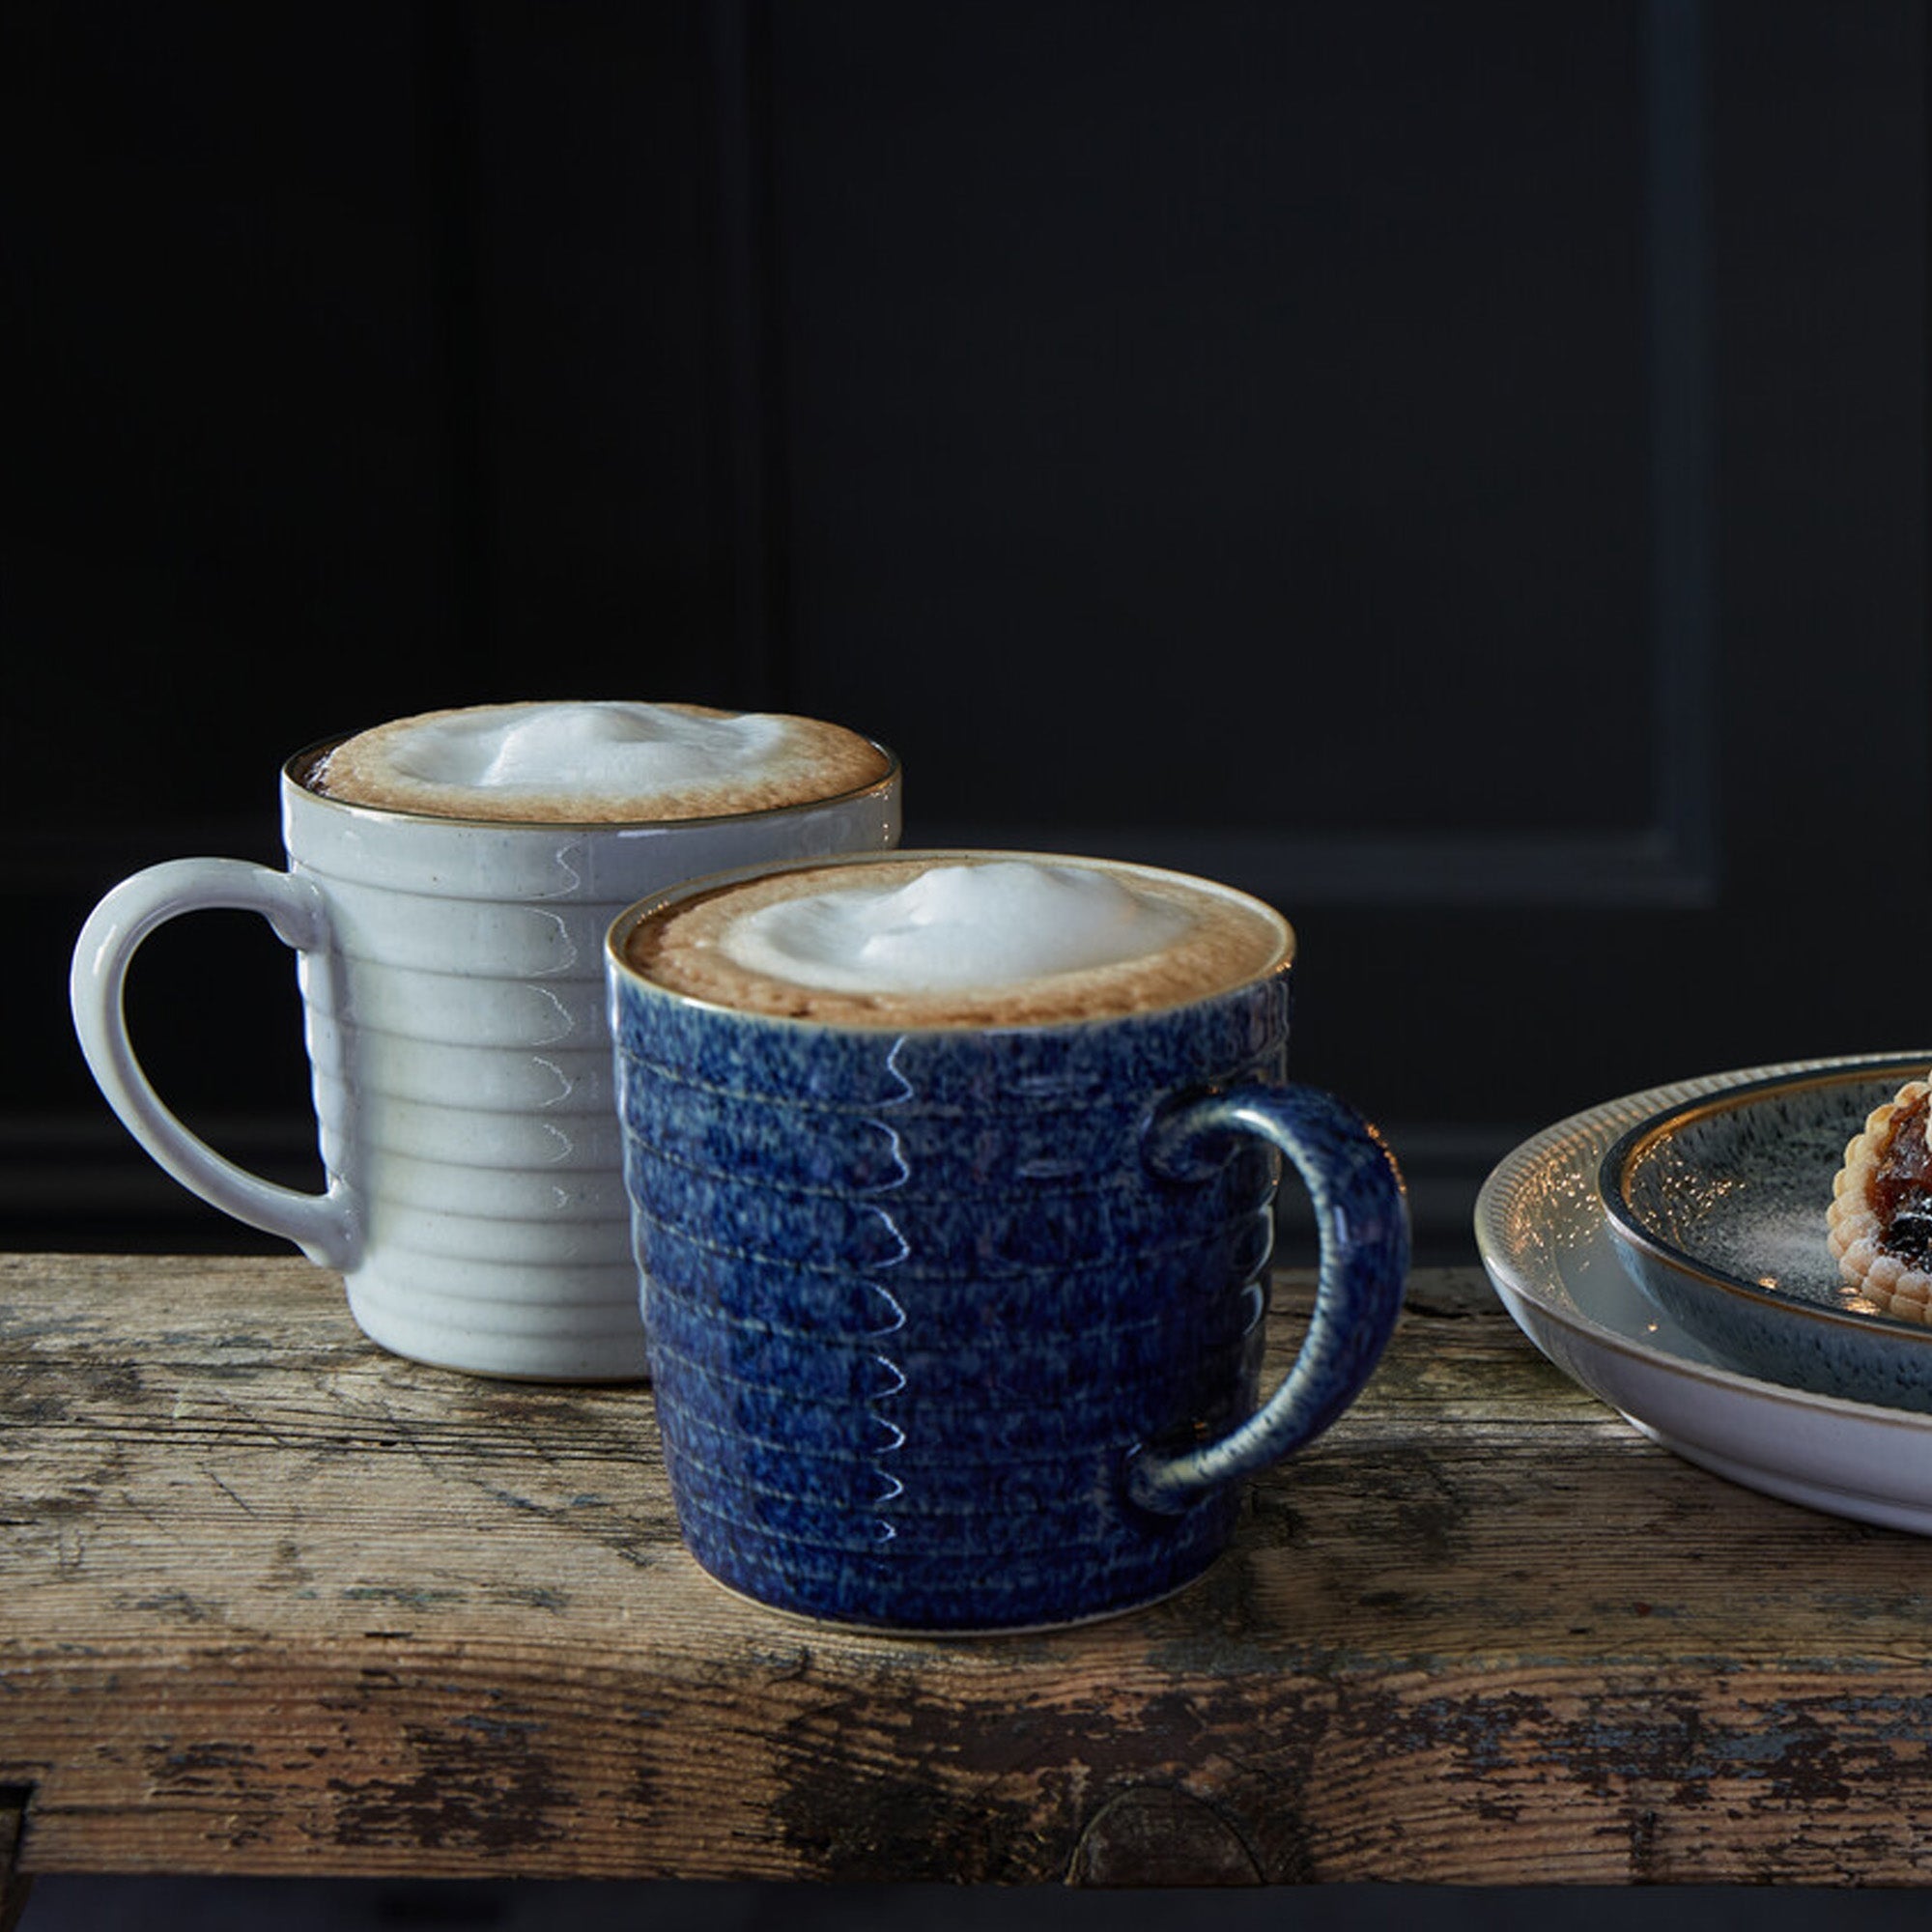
{"x": 272, "y": 1602}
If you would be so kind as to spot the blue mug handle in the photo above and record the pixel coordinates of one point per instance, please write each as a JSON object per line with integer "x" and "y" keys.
{"x": 1361, "y": 1212}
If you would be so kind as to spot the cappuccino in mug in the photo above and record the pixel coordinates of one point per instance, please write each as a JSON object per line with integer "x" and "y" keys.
{"x": 595, "y": 763}
{"x": 967, "y": 941}
{"x": 451, "y": 878}
{"x": 952, "y": 1178}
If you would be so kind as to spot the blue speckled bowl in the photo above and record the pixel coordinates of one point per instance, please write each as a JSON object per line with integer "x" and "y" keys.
{"x": 959, "y": 1328}
{"x": 1717, "y": 1211}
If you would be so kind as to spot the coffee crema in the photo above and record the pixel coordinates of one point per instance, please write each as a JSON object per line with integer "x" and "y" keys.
{"x": 959, "y": 939}
{"x": 596, "y": 762}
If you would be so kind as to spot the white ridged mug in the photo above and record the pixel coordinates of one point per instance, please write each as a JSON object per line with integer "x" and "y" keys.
{"x": 452, "y": 978}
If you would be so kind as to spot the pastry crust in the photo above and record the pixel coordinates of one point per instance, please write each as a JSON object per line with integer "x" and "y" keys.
{"x": 1855, "y": 1226}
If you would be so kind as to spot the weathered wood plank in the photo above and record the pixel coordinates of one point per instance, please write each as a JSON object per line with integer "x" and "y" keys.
{"x": 275, "y": 1602}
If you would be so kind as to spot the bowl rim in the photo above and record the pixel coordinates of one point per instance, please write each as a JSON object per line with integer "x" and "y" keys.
{"x": 1626, "y": 1225}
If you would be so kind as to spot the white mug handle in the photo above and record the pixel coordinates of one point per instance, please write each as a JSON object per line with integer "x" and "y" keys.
{"x": 322, "y": 1224}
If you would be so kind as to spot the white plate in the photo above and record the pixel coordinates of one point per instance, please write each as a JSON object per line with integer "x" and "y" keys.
{"x": 1544, "y": 1239}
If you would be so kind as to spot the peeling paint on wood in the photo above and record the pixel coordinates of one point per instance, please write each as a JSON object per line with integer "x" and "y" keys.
{"x": 276, "y": 1602}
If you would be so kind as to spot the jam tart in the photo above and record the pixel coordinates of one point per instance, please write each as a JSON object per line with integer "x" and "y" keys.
{"x": 1880, "y": 1220}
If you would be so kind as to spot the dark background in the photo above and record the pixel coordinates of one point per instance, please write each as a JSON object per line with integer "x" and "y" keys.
{"x": 1459, "y": 473}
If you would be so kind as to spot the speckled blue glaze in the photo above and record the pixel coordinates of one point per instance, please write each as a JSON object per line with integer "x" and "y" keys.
{"x": 1716, "y": 1207}
{"x": 961, "y": 1330}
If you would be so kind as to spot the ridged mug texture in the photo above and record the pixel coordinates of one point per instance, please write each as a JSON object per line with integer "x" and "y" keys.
{"x": 458, "y": 1033}
{"x": 914, "y": 1299}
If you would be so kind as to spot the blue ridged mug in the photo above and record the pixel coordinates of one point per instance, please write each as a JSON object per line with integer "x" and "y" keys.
{"x": 958, "y": 1328}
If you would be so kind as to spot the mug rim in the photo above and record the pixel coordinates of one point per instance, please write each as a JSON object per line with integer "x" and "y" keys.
{"x": 617, "y": 937}
{"x": 298, "y": 765}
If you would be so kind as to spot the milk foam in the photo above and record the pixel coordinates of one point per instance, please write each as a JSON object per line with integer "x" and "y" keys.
{"x": 948, "y": 939}
{"x": 988, "y": 927}
{"x": 565, "y": 751}
{"x": 597, "y": 762}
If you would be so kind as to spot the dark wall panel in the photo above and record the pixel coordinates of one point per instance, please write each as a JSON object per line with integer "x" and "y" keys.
{"x": 1217, "y": 402}
{"x": 360, "y": 361}
{"x": 228, "y": 382}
